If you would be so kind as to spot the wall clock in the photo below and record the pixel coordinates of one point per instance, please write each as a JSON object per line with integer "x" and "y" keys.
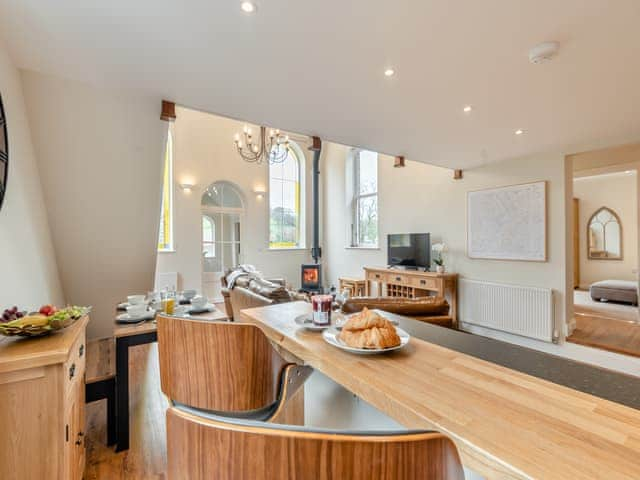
{"x": 4, "y": 153}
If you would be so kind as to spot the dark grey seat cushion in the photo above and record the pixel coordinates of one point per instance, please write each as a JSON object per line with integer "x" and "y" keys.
{"x": 615, "y": 291}
{"x": 260, "y": 415}
{"x": 252, "y": 422}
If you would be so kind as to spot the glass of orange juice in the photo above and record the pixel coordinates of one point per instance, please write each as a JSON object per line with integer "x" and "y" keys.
{"x": 169, "y": 305}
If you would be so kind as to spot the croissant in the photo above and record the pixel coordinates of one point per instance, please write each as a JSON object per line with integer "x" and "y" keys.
{"x": 369, "y": 330}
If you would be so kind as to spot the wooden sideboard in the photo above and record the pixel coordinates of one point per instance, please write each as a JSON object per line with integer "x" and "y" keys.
{"x": 42, "y": 405}
{"x": 393, "y": 282}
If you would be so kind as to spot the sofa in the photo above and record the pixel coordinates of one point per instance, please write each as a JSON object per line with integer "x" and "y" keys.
{"x": 433, "y": 310}
{"x": 251, "y": 292}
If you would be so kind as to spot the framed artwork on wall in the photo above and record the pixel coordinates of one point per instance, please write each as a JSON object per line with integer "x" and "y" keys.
{"x": 508, "y": 223}
{"x": 4, "y": 153}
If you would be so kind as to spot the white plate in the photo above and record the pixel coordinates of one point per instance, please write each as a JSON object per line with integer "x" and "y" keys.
{"x": 124, "y": 305}
{"x": 209, "y": 307}
{"x": 305, "y": 321}
{"x": 126, "y": 318}
{"x": 331, "y": 336}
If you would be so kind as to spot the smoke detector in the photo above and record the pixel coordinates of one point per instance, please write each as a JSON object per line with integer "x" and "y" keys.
{"x": 543, "y": 52}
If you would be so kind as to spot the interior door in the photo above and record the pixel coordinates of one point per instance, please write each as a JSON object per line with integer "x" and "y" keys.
{"x": 221, "y": 249}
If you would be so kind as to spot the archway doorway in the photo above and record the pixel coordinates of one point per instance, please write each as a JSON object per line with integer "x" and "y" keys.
{"x": 222, "y": 210}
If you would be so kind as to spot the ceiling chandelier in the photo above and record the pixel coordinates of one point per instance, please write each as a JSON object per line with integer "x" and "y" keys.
{"x": 273, "y": 149}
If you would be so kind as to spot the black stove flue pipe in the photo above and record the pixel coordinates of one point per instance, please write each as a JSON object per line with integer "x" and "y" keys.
{"x": 316, "y": 147}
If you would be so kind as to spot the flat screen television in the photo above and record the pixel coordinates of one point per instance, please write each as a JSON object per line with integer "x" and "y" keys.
{"x": 409, "y": 250}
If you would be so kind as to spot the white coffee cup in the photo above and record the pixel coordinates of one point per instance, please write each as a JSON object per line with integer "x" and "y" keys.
{"x": 136, "y": 310}
{"x": 135, "y": 299}
{"x": 189, "y": 294}
{"x": 199, "y": 301}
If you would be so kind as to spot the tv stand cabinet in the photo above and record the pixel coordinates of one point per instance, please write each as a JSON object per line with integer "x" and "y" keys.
{"x": 393, "y": 282}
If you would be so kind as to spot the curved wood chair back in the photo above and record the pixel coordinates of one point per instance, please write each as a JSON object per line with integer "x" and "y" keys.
{"x": 218, "y": 366}
{"x": 200, "y": 448}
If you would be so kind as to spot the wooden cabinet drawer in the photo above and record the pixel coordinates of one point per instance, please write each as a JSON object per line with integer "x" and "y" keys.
{"x": 73, "y": 368}
{"x": 377, "y": 276}
{"x": 426, "y": 283}
{"x": 397, "y": 279}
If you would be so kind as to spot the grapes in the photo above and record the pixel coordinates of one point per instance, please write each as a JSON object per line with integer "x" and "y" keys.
{"x": 11, "y": 314}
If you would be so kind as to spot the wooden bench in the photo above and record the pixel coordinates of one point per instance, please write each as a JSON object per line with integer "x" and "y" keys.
{"x": 101, "y": 379}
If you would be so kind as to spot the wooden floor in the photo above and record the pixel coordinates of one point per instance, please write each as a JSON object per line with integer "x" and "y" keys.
{"x": 147, "y": 456}
{"x": 620, "y": 336}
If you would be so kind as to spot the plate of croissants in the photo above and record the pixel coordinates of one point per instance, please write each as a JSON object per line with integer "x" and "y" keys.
{"x": 367, "y": 332}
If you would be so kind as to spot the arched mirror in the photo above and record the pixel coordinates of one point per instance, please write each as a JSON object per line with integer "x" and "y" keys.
{"x": 604, "y": 235}
{"x": 4, "y": 153}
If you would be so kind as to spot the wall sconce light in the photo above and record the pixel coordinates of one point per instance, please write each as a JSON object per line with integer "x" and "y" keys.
{"x": 260, "y": 193}
{"x": 186, "y": 187}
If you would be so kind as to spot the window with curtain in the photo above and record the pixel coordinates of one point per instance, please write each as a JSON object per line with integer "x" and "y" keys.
{"x": 165, "y": 237}
{"x": 285, "y": 212}
{"x": 364, "y": 208}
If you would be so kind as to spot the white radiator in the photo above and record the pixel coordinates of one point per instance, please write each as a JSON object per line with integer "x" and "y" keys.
{"x": 526, "y": 311}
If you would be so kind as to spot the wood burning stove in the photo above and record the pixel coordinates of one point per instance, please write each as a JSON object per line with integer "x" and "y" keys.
{"x": 311, "y": 278}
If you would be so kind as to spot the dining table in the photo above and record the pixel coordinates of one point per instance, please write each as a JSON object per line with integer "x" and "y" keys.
{"x": 513, "y": 412}
{"x": 128, "y": 335}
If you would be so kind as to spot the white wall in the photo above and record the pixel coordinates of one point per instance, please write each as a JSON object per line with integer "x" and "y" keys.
{"x": 100, "y": 158}
{"x": 424, "y": 198}
{"x": 204, "y": 153}
{"x": 29, "y": 275}
{"x": 617, "y": 191}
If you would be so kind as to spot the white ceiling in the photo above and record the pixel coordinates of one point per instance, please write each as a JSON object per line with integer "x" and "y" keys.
{"x": 316, "y": 67}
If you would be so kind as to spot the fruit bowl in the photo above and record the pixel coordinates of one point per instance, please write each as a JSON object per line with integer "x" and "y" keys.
{"x": 37, "y": 324}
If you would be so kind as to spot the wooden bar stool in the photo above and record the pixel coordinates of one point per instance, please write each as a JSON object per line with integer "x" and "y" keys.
{"x": 203, "y": 448}
{"x": 225, "y": 368}
{"x": 355, "y": 286}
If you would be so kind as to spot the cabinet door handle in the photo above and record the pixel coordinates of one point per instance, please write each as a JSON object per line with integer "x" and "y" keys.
{"x": 81, "y": 350}
{"x": 423, "y": 282}
{"x": 72, "y": 371}
{"x": 398, "y": 279}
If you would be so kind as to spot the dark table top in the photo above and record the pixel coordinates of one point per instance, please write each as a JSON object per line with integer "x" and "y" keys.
{"x": 597, "y": 381}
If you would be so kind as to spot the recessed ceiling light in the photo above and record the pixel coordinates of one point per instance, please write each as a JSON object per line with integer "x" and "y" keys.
{"x": 389, "y": 72}
{"x": 467, "y": 109}
{"x": 248, "y": 7}
{"x": 519, "y": 131}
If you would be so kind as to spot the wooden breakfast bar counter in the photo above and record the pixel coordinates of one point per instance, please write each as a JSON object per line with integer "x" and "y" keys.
{"x": 559, "y": 420}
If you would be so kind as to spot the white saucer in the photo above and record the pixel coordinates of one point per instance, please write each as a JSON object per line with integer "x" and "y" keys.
{"x": 124, "y": 305}
{"x": 209, "y": 307}
{"x": 126, "y": 318}
{"x": 331, "y": 336}
{"x": 305, "y": 321}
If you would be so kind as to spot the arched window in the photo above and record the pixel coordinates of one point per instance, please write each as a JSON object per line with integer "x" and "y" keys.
{"x": 285, "y": 201}
{"x": 165, "y": 235}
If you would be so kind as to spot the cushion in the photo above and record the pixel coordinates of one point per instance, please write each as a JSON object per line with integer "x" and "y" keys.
{"x": 615, "y": 291}
{"x": 270, "y": 290}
